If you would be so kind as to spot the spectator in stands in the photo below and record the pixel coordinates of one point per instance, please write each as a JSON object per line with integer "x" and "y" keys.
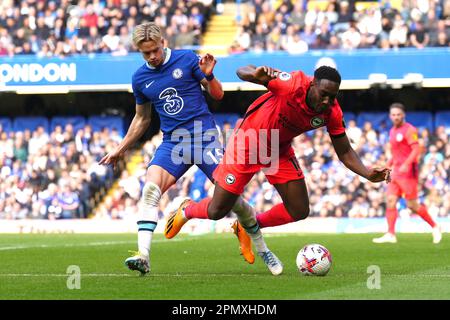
{"x": 398, "y": 36}
{"x": 309, "y": 36}
{"x": 323, "y": 36}
{"x": 345, "y": 16}
{"x": 69, "y": 203}
{"x": 67, "y": 32}
{"x": 433, "y": 156}
{"x": 418, "y": 37}
{"x": 297, "y": 45}
{"x": 35, "y": 176}
{"x": 297, "y": 16}
{"x": 351, "y": 38}
{"x": 334, "y": 43}
{"x": 45, "y": 29}
{"x": 20, "y": 151}
{"x": 242, "y": 39}
{"x": 354, "y": 133}
{"x": 185, "y": 37}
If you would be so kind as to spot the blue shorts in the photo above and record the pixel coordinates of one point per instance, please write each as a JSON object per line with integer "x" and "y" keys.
{"x": 176, "y": 157}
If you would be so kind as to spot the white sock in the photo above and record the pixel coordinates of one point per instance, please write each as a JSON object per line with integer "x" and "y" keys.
{"x": 148, "y": 216}
{"x": 247, "y": 217}
{"x": 144, "y": 241}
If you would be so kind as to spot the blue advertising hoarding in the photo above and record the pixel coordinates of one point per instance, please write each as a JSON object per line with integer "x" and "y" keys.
{"x": 106, "y": 72}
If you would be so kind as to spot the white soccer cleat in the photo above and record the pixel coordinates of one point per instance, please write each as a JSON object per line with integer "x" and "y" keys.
{"x": 272, "y": 262}
{"x": 386, "y": 238}
{"x": 437, "y": 235}
{"x": 138, "y": 262}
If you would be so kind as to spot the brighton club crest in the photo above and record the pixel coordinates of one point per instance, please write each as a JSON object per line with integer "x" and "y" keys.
{"x": 316, "y": 122}
{"x": 230, "y": 179}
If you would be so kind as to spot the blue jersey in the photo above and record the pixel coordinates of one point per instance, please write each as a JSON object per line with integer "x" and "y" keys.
{"x": 174, "y": 90}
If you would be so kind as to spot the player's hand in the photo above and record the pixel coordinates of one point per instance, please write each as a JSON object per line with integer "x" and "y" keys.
{"x": 265, "y": 73}
{"x": 111, "y": 158}
{"x": 379, "y": 174}
{"x": 207, "y": 63}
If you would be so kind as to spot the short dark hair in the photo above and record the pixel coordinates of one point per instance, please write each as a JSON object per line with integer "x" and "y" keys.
{"x": 398, "y": 105}
{"x": 328, "y": 73}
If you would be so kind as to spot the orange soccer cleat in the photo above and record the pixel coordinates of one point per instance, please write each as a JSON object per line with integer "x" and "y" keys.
{"x": 245, "y": 243}
{"x": 176, "y": 220}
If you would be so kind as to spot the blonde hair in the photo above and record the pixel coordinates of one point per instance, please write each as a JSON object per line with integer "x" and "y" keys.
{"x": 148, "y": 31}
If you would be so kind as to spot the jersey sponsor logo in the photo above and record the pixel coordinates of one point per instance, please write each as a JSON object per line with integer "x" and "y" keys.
{"x": 174, "y": 104}
{"x": 230, "y": 179}
{"x": 149, "y": 84}
{"x": 415, "y": 137}
{"x": 316, "y": 122}
{"x": 177, "y": 73}
{"x": 284, "y": 76}
{"x": 399, "y": 137}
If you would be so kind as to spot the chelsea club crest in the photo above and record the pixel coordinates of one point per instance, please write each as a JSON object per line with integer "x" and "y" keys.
{"x": 177, "y": 73}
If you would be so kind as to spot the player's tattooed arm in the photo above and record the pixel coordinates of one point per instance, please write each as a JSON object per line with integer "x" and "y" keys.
{"x": 351, "y": 160}
{"x": 259, "y": 75}
{"x": 137, "y": 128}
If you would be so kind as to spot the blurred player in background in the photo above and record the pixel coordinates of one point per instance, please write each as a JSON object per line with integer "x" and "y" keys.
{"x": 405, "y": 153}
{"x": 295, "y": 103}
{"x": 170, "y": 80}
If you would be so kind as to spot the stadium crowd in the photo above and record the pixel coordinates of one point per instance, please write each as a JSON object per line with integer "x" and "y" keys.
{"x": 334, "y": 190}
{"x": 56, "y": 175}
{"x": 302, "y": 25}
{"x": 63, "y": 27}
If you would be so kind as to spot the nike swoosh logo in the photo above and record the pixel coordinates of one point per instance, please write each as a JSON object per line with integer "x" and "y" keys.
{"x": 149, "y": 84}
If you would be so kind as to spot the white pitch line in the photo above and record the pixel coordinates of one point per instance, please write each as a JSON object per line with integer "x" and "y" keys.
{"x": 178, "y": 275}
{"x": 197, "y": 275}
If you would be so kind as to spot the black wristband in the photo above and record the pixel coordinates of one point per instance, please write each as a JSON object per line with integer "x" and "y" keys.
{"x": 210, "y": 77}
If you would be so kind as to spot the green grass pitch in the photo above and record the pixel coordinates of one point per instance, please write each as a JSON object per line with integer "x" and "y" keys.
{"x": 210, "y": 267}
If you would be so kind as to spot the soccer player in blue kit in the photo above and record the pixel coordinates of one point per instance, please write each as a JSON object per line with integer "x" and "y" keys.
{"x": 170, "y": 80}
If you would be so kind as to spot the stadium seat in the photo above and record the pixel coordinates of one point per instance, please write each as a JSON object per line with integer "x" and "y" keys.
{"x": 321, "y": 4}
{"x": 221, "y": 118}
{"x": 421, "y": 119}
{"x": 31, "y": 123}
{"x": 376, "y": 118}
{"x": 78, "y": 122}
{"x": 442, "y": 118}
{"x": 349, "y": 116}
{"x": 5, "y": 124}
{"x": 112, "y": 122}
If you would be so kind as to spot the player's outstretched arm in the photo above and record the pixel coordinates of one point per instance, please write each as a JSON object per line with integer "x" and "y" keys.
{"x": 138, "y": 126}
{"x": 210, "y": 83}
{"x": 351, "y": 160}
{"x": 259, "y": 75}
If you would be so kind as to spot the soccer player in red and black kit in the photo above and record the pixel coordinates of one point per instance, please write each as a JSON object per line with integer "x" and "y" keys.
{"x": 295, "y": 103}
{"x": 405, "y": 152}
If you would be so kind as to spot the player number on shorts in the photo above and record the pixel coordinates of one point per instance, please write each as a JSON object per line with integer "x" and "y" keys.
{"x": 174, "y": 103}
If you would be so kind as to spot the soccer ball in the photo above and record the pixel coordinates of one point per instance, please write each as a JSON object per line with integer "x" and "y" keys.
{"x": 314, "y": 260}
